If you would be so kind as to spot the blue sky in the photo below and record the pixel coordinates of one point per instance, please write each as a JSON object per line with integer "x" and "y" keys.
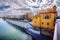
{"x": 2, "y": 7}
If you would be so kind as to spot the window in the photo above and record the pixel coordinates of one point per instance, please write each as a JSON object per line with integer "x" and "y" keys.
{"x": 47, "y": 16}
{"x": 42, "y": 23}
{"x": 47, "y": 23}
{"x": 36, "y": 17}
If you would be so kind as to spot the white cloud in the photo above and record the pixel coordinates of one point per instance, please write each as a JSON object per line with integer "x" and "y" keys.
{"x": 16, "y": 4}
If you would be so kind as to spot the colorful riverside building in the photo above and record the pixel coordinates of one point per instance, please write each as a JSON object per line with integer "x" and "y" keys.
{"x": 45, "y": 21}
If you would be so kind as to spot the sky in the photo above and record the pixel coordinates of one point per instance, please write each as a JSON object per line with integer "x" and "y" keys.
{"x": 20, "y": 7}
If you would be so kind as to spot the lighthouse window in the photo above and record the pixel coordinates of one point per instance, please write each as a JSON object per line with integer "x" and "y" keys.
{"x": 47, "y": 16}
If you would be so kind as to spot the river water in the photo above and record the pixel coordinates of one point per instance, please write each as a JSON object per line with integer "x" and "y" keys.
{"x": 8, "y": 32}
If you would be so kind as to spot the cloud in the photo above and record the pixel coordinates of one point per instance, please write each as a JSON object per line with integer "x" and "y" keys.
{"x": 58, "y": 2}
{"x": 13, "y": 6}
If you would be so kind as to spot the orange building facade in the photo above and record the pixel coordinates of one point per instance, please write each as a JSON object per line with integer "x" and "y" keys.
{"x": 45, "y": 19}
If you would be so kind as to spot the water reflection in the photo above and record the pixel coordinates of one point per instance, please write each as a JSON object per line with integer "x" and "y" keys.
{"x": 8, "y": 32}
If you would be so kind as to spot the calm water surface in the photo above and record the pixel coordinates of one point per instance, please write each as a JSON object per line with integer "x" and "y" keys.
{"x": 8, "y": 32}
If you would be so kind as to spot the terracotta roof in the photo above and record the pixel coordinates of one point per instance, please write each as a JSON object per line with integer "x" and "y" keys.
{"x": 48, "y": 10}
